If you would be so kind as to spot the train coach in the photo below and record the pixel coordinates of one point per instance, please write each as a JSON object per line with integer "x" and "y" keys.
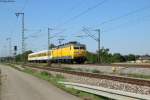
{"x": 66, "y": 53}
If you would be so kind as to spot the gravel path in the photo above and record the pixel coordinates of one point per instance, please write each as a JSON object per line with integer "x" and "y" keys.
{"x": 17, "y": 85}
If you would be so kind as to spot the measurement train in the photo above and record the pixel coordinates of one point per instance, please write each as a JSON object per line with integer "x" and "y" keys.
{"x": 72, "y": 52}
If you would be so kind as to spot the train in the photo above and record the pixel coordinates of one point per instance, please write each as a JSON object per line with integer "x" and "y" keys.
{"x": 71, "y": 52}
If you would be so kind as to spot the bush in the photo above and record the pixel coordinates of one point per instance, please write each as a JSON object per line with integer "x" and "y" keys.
{"x": 45, "y": 73}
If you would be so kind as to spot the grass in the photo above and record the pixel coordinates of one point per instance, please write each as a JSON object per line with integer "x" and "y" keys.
{"x": 54, "y": 80}
{"x": 95, "y": 71}
{"x": 68, "y": 68}
{"x": 79, "y": 69}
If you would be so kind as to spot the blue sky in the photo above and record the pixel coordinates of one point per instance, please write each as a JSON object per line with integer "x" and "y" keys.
{"x": 129, "y": 34}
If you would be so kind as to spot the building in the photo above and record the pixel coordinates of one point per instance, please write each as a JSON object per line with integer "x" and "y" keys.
{"x": 143, "y": 59}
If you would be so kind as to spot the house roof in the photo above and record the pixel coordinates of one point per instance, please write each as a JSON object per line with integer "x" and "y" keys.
{"x": 147, "y": 57}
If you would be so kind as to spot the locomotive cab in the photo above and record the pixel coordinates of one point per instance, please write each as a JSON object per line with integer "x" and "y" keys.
{"x": 79, "y": 53}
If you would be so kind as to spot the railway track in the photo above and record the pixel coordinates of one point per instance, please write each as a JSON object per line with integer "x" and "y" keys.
{"x": 119, "y": 65}
{"x": 114, "y": 65}
{"x": 136, "y": 81}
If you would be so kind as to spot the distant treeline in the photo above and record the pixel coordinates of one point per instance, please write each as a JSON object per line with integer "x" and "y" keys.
{"x": 106, "y": 57}
{"x": 17, "y": 58}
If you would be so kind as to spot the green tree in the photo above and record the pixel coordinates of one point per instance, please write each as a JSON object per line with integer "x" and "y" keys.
{"x": 52, "y": 46}
{"x": 130, "y": 57}
{"x": 91, "y": 57}
{"x": 117, "y": 57}
{"x": 105, "y": 55}
{"x": 24, "y": 55}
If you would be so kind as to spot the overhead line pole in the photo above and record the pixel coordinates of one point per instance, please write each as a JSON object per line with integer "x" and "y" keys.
{"x": 99, "y": 49}
{"x": 23, "y": 37}
{"x": 49, "y": 62}
{"x": 96, "y": 39}
{"x": 60, "y": 42}
{"x": 10, "y": 53}
{"x": 9, "y": 40}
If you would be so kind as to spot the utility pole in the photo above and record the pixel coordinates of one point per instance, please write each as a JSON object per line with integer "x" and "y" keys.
{"x": 9, "y": 42}
{"x": 10, "y": 53}
{"x": 60, "y": 42}
{"x": 99, "y": 49}
{"x": 15, "y": 53}
{"x": 97, "y": 39}
{"x": 23, "y": 37}
{"x": 48, "y": 52}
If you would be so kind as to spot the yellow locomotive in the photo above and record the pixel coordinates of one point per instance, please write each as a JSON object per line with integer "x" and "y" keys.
{"x": 67, "y": 53}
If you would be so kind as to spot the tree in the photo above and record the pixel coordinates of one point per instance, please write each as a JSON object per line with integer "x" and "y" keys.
{"x": 117, "y": 57}
{"x": 130, "y": 57}
{"x": 18, "y": 58}
{"x": 25, "y": 54}
{"x": 52, "y": 46}
{"x": 91, "y": 57}
{"x": 105, "y": 56}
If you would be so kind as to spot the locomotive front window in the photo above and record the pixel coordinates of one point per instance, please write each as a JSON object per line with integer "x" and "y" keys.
{"x": 82, "y": 48}
{"x": 76, "y": 47}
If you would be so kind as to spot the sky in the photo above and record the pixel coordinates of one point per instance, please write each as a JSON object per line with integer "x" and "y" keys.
{"x": 124, "y": 24}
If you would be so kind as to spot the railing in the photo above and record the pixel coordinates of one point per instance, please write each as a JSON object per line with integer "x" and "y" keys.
{"x": 105, "y": 92}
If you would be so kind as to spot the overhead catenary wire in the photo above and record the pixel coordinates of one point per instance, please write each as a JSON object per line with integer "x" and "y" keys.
{"x": 88, "y": 33}
{"x": 121, "y": 25}
{"x": 7, "y": 1}
{"x": 70, "y": 10}
{"x": 24, "y": 6}
{"x": 124, "y": 15}
{"x": 13, "y": 10}
{"x": 93, "y": 36}
{"x": 120, "y": 17}
{"x": 83, "y": 12}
